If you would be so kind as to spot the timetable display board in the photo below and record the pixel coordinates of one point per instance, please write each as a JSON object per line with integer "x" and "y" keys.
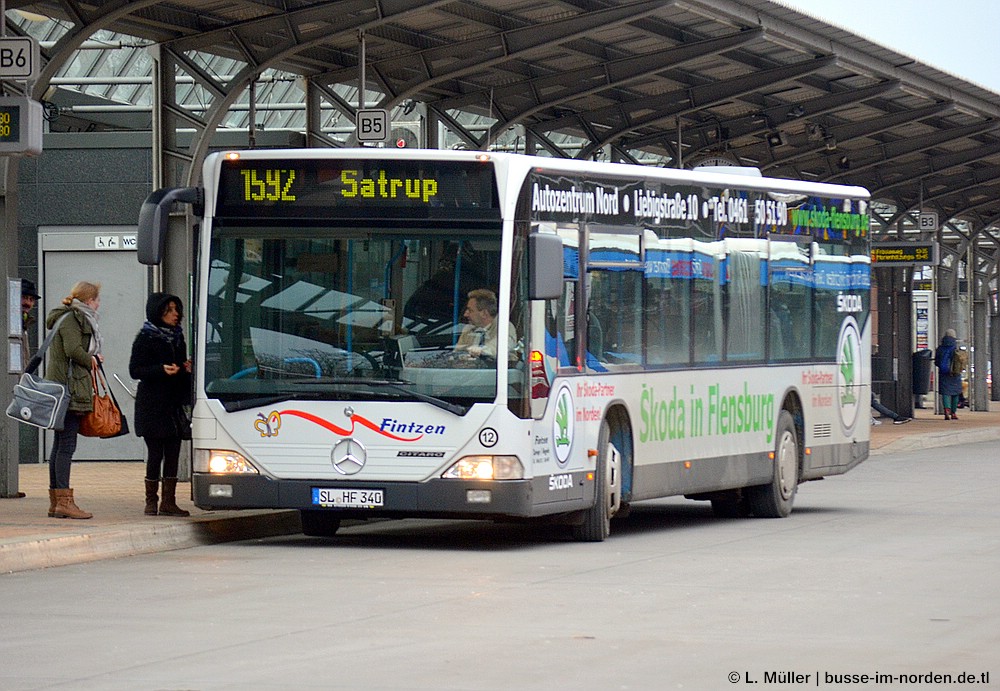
{"x": 905, "y": 253}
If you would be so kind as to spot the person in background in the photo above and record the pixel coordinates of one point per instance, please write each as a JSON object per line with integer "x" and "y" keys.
{"x": 71, "y": 356}
{"x": 159, "y": 361}
{"x": 897, "y": 419}
{"x": 949, "y": 385}
{"x": 29, "y": 298}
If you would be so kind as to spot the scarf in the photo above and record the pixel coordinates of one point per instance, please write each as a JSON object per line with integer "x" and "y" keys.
{"x": 170, "y": 334}
{"x": 96, "y": 342}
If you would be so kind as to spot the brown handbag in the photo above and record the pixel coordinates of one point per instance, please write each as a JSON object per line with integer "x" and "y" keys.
{"x": 106, "y": 420}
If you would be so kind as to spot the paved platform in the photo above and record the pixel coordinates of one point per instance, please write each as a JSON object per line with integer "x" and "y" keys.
{"x": 113, "y": 492}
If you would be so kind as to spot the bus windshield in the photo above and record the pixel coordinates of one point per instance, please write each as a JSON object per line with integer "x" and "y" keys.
{"x": 350, "y": 313}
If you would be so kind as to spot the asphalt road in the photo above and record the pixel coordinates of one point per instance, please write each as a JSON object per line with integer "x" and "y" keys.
{"x": 893, "y": 570}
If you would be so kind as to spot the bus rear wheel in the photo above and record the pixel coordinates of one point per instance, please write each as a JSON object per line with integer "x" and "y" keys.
{"x": 596, "y": 524}
{"x": 774, "y": 500}
{"x": 319, "y": 524}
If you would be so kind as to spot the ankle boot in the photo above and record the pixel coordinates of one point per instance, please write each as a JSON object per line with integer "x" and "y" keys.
{"x": 151, "y": 487}
{"x": 52, "y": 503}
{"x": 168, "y": 505}
{"x": 66, "y": 507}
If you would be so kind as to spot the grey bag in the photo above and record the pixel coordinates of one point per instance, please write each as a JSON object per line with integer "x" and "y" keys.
{"x": 36, "y": 401}
{"x": 39, "y": 402}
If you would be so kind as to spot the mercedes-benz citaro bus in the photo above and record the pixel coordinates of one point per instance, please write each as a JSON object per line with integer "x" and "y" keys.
{"x": 460, "y": 334}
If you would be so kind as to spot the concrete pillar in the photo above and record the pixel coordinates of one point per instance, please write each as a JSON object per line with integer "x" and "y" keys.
{"x": 9, "y": 432}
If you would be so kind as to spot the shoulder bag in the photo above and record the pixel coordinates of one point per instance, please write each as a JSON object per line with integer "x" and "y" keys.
{"x": 36, "y": 401}
{"x": 106, "y": 419}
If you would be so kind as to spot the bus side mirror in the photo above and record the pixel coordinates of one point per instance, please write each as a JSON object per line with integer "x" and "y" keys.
{"x": 154, "y": 215}
{"x": 545, "y": 266}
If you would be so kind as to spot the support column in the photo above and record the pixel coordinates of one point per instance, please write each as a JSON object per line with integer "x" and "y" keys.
{"x": 9, "y": 432}
{"x": 979, "y": 394}
{"x": 994, "y": 355}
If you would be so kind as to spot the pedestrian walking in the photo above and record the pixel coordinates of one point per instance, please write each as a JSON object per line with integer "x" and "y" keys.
{"x": 159, "y": 361}
{"x": 949, "y": 384}
{"x": 71, "y": 357}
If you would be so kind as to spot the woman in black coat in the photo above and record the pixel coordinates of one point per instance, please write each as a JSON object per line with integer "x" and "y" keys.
{"x": 159, "y": 361}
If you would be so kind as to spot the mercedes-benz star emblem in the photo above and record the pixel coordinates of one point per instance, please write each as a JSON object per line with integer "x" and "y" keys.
{"x": 349, "y": 456}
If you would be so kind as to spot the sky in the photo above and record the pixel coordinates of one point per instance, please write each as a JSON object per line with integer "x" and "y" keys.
{"x": 955, "y": 36}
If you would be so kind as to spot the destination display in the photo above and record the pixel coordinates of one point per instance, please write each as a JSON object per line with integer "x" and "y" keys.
{"x": 329, "y": 187}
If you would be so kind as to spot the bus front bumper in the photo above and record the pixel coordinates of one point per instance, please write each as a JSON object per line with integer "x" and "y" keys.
{"x": 439, "y": 497}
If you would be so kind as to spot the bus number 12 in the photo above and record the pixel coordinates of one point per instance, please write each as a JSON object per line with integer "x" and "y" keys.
{"x": 274, "y": 186}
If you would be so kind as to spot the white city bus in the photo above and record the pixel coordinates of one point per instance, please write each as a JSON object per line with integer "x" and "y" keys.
{"x": 658, "y": 332}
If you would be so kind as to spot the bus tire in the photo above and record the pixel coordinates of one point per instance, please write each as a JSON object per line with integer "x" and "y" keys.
{"x": 774, "y": 500}
{"x": 596, "y": 524}
{"x": 319, "y": 524}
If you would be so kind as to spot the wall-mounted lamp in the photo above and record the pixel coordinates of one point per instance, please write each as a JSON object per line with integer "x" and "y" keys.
{"x": 844, "y": 163}
{"x": 796, "y": 112}
{"x": 775, "y": 139}
{"x": 831, "y": 143}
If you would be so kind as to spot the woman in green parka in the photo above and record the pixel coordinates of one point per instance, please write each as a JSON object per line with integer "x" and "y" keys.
{"x": 75, "y": 347}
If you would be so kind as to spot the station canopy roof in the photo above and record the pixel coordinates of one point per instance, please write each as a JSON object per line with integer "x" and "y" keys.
{"x": 662, "y": 82}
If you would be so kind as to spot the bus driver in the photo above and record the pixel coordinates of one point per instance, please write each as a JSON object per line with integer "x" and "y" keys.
{"x": 479, "y": 337}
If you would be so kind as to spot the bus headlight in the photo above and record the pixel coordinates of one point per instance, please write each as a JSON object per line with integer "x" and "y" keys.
{"x": 222, "y": 461}
{"x": 486, "y": 468}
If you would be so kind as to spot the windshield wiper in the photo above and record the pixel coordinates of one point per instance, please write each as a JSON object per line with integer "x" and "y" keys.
{"x": 248, "y": 403}
{"x": 452, "y": 408}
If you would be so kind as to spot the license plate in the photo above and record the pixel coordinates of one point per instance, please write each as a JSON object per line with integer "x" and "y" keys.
{"x": 348, "y": 498}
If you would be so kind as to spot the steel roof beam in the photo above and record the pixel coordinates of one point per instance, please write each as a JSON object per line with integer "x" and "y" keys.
{"x": 508, "y": 45}
{"x": 863, "y": 130}
{"x": 593, "y": 79}
{"x": 904, "y": 147}
{"x": 938, "y": 164}
{"x": 680, "y": 101}
{"x": 765, "y": 121}
{"x": 669, "y": 106}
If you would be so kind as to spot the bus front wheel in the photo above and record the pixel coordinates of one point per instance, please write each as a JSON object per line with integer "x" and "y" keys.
{"x": 319, "y": 524}
{"x": 774, "y": 500}
{"x": 596, "y": 524}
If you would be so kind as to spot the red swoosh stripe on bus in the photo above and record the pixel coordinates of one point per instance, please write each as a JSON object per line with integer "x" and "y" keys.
{"x": 346, "y": 432}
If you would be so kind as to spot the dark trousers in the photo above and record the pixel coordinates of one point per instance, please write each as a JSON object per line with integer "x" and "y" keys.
{"x": 162, "y": 451}
{"x": 63, "y": 448}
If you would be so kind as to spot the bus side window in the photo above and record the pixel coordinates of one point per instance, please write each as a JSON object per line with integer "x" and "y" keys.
{"x": 615, "y": 317}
